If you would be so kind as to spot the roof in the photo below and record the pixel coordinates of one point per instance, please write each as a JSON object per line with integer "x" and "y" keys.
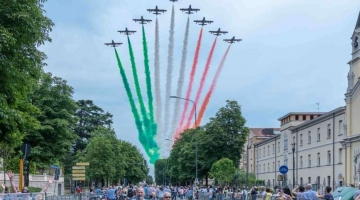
{"x": 264, "y": 131}
{"x": 301, "y": 113}
{"x": 358, "y": 22}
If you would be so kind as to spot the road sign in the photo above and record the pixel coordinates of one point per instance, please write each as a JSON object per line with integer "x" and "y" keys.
{"x": 78, "y": 167}
{"x": 82, "y": 164}
{"x": 54, "y": 167}
{"x": 76, "y": 175}
{"x": 283, "y": 169}
{"x": 78, "y": 178}
{"x": 78, "y": 171}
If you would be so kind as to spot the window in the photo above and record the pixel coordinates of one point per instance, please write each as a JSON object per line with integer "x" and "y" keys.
{"x": 301, "y": 140}
{"x": 251, "y": 168}
{"x": 278, "y": 163}
{"x": 301, "y": 181}
{"x": 329, "y": 131}
{"x": 311, "y": 117}
{"x": 273, "y": 150}
{"x": 273, "y": 166}
{"x": 259, "y": 169}
{"x": 256, "y": 153}
{"x": 268, "y": 150}
{"x": 251, "y": 143}
{"x": 318, "y": 134}
{"x": 329, "y": 157}
{"x": 296, "y": 117}
{"x": 251, "y": 155}
{"x": 259, "y": 153}
{"x": 293, "y": 139}
{"x": 301, "y": 162}
{"x": 278, "y": 146}
{"x": 309, "y": 179}
{"x": 328, "y": 180}
{"x": 264, "y": 168}
{"x": 268, "y": 167}
{"x": 340, "y": 127}
{"x": 340, "y": 155}
{"x": 304, "y": 117}
{"x": 285, "y": 144}
{"x": 309, "y": 161}
{"x": 318, "y": 159}
{"x": 309, "y": 137}
{"x": 264, "y": 151}
{"x": 286, "y": 161}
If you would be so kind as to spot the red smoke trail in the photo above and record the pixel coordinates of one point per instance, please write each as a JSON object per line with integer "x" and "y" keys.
{"x": 211, "y": 90}
{"x": 203, "y": 78}
{"x": 188, "y": 92}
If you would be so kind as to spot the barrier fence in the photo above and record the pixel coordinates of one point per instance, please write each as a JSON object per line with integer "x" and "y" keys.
{"x": 23, "y": 196}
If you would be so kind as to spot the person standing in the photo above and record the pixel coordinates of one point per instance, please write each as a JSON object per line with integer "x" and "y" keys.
{"x": 327, "y": 195}
{"x": 309, "y": 194}
{"x": 111, "y": 193}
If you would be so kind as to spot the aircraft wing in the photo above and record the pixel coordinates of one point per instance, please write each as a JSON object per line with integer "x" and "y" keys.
{"x": 162, "y": 10}
{"x": 151, "y": 10}
{"x": 223, "y": 32}
{"x": 198, "y": 21}
{"x": 237, "y": 40}
{"x": 184, "y": 9}
{"x": 137, "y": 20}
{"x": 213, "y": 31}
{"x": 195, "y": 9}
{"x": 147, "y": 20}
{"x": 206, "y": 21}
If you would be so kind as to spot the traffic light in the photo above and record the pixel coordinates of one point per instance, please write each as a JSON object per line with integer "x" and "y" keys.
{"x": 26, "y": 167}
{"x": 57, "y": 174}
{"x": 144, "y": 162}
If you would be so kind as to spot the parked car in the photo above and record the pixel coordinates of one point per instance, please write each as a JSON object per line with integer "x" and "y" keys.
{"x": 344, "y": 193}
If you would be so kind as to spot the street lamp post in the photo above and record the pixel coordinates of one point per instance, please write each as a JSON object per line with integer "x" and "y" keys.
{"x": 247, "y": 165}
{"x": 196, "y": 142}
{"x": 293, "y": 151}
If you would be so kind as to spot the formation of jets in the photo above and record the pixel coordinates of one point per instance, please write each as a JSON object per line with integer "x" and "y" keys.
{"x": 127, "y": 32}
{"x": 113, "y": 44}
{"x": 232, "y": 40}
{"x": 188, "y": 10}
{"x": 203, "y": 22}
{"x": 218, "y": 32}
{"x": 156, "y": 11}
{"x": 142, "y": 20}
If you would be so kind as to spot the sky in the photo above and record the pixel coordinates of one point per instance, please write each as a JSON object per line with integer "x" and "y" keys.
{"x": 293, "y": 55}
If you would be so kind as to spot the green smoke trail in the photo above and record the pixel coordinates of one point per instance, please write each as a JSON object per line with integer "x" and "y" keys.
{"x": 153, "y": 130}
{"x": 137, "y": 87}
{"x": 149, "y": 144}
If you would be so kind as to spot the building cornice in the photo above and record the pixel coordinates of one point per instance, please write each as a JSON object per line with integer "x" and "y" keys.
{"x": 348, "y": 140}
{"x": 301, "y": 113}
{"x": 267, "y": 140}
{"x": 327, "y": 116}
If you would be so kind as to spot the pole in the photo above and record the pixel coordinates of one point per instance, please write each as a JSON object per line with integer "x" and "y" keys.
{"x": 293, "y": 150}
{"x": 21, "y": 174}
{"x": 247, "y": 166}
{"x": 196, "y": 143}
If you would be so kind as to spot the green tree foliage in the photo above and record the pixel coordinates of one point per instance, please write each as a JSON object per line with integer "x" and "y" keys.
{"x": 223, "y": 137}
{"x": 112, "y": 159}
{"x": 159, "y": 168}
{"x": 23, "y": 28}
{"x": 149, "y": 179}
{"x": 50, "y": 142}
{"x": 90, "y": 118}
{"x": 223, "y": 170}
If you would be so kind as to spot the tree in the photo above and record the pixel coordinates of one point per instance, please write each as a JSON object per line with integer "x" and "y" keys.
{"x": 159, "y": 167}
{"x": 223, "y": 170}
{"x": 149, "y": 180}
{"x": 6, "y": 152}
{"x": 52, "y": 140}
{"x": 23, "y": 28}
{"x": 90, "y": 118}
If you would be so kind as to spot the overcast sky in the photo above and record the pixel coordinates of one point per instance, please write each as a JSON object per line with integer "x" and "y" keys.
{"x": 293, "y": 54}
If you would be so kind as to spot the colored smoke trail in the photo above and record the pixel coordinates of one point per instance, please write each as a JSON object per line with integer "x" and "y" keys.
{"x": 137, "y": 88}
{"x": 211, "y": 90}
{"x": 202, "y": 82}
{"x": 157, "y": 84}
{"x": 169, "y": 73}
{"x": 148, "y": 84}
{"x": 149, "y": 145}
{"x": 179, "y": 89}
{"x": 188, "y": 92}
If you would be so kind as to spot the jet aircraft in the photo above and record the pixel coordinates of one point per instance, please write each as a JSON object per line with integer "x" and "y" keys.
{"x": 113, "y": 44}
{"x": 232, "y": 40}
{"x": 127, "y": 32}
{"x": 156, "y": 11}
{"x": 173, "y": 0}
{"x": 218, "y": 32}
{"x": 203, "y": 22}
{"x": 142, "y": 20}
{"x": 189, "y": 10}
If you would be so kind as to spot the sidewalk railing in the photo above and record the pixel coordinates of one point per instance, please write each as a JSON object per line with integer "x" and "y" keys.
{"x": 23, "y": 196}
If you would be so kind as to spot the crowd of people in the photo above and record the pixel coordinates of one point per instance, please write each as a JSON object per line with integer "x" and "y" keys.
{"x": 153, "y": 192}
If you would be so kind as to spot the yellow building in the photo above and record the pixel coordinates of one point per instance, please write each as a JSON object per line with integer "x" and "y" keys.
{"x": 352, "y": 125}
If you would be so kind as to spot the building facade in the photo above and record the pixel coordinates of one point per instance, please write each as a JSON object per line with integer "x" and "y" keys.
{"x": 326, "y": 146}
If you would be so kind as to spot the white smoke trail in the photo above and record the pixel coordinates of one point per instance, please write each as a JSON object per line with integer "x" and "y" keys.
{"x": 176, "y": 117}
{"x": 169, "y": 76}
{"x": 158, "y": 114}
